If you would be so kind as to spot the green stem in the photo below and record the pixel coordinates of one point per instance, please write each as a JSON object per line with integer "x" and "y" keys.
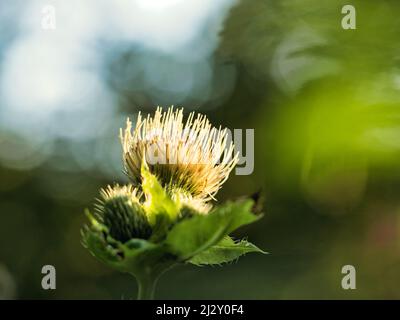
{"x": 147, "y": 285}
{"x": 147, "y": 279}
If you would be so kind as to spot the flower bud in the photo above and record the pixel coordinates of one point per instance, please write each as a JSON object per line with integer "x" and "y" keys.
{"x": 120, "y": 211}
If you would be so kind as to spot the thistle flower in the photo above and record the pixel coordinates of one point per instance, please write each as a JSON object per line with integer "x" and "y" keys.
{"x": 192, "y": 157}
{"x": 120, "y": 210}
{"x": 148, "y": 228}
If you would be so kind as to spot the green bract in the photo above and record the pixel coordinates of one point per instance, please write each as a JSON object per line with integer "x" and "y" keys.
{"x": 145, "y": 239}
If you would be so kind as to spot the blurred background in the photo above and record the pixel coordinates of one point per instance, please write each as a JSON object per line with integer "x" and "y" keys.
{"x": 324, "y": 103}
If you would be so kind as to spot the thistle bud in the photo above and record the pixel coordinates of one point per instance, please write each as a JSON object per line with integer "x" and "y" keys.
{"x": 120, "y": 211}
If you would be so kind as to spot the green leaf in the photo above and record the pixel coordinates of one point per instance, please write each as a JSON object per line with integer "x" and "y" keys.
{"x": 144, "y": 257}
{"x": 225, "y": 251}
{"x": 158, "y": 202}
{"x": 136, "y": 256}
{"x": 95, "y": 241}
{"x": 195, "y": 235}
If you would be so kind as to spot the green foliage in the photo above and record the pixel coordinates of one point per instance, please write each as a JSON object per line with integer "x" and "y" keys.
{"x": 202, "y": 239}
{"x": 224, "y": 251}
{"x": 158, "y": 203}
{"x": 137, "y": 256}
{"x": 195, "y": 238}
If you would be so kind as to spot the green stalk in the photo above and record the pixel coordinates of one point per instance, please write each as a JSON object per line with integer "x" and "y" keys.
{"x": 146, "y": 287}
{"x": 147, "y": 280}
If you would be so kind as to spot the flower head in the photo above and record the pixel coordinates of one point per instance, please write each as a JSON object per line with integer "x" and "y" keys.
{"x": 193, "y": 157}
{"x": 178, "y": 167}
{"x": 120, "y": 210}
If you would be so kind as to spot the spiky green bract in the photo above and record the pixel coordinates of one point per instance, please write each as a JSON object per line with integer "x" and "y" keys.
{"x": 123, "y": 215}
